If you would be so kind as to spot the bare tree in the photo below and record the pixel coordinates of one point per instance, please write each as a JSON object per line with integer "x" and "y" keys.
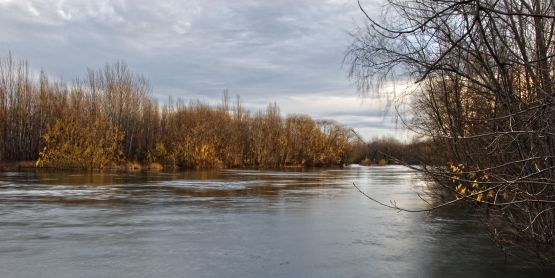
{"x": 484, "y": 71}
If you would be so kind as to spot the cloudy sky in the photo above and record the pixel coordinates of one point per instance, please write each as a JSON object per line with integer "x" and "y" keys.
{"x": 287, "y": 51}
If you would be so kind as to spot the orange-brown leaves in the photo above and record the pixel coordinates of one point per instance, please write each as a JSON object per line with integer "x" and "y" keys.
{"x": 71, "y": 143}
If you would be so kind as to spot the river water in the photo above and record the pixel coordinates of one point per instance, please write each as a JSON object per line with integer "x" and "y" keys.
{"x": 237, "y": 223}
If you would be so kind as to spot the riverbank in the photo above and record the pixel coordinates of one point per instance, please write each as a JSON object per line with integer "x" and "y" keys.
{"x": 8, "y": 166}
{"x": 128, "y": 166}
{"x": 17, "y": 165}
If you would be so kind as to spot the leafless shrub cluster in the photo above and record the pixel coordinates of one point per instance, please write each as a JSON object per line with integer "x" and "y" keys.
{"x": 485, "y": 96}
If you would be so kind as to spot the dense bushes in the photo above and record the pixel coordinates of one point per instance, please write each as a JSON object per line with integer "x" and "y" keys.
{"x": 200, "y": 136}
{"x": 71, "y": 143}
{"x": 108, "y": 118}
{"x": 388, "y": 150}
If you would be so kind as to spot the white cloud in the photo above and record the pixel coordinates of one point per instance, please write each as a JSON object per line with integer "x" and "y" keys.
{"x": 182, "y": 27}
{"x": 32, "y": 10}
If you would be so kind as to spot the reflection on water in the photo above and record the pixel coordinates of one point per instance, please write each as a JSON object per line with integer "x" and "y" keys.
{"x": 238, "y": 223}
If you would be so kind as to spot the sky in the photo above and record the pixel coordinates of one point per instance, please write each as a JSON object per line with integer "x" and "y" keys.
{"x": 284, "y": 51}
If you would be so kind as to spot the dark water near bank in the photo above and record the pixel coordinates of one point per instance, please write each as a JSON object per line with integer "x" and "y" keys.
{"x": 236, "y": 223}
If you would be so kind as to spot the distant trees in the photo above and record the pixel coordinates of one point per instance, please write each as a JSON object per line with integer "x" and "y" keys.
{"x": 123, "y": 98}
{"x": 485, "y": 98}
{"x": 317, "y": 143}
{"x": 388, "y": 150}
{"x": 267, "y": 138}
{"x": 200, "y": 136}
{"x": 108, "y": 118}
{"x": 26, "y": 109}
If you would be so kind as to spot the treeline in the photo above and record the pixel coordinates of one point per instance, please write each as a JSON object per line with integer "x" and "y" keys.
{"x": 108, "y": 119}
{"x": 389, "y": 150}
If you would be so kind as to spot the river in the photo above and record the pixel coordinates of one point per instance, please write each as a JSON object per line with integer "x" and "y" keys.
{"x": 237, "y": 223}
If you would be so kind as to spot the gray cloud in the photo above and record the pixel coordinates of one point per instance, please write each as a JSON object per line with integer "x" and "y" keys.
{"x": 288, "y": 51}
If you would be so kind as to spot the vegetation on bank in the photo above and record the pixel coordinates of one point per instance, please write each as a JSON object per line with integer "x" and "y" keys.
{"x": 484, "y": 98}
{"x": 109, "y": 120}
{"x": 388, "y": 150}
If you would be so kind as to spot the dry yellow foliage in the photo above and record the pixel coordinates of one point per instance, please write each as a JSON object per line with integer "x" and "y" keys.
{"x": 71, "y": 143}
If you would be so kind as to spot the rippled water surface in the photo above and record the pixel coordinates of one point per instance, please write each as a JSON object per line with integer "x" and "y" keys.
{"x": 236, "y": 223}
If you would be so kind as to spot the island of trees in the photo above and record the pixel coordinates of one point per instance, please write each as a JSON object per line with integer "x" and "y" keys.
{"x": 109, "y": 120}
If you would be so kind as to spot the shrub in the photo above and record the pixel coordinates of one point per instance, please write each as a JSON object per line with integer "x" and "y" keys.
{"x": 71, "y": 143}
